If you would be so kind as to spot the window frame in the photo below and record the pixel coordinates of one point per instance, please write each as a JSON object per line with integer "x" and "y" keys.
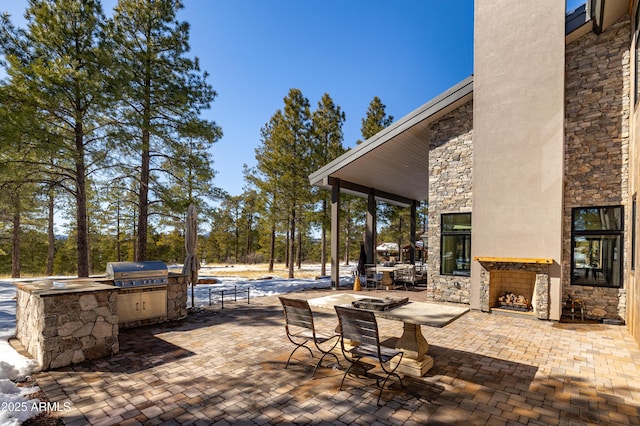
{"x": 597, "y": 233}
{"x": 454, "y": 233}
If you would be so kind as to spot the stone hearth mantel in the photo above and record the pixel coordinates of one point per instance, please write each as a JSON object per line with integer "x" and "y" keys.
{"x": 541, "y": 261}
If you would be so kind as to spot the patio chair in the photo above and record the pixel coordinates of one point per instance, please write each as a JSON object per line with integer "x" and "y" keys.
{"x": 406, "y": 275}
{"x": 372, "y": 279}
{"x": 301, "y": 331}
{"x": 360, "y": 327}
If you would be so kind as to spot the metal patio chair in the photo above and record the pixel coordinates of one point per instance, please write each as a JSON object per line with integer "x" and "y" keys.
{"x": 360, "y": 327}
{"x": 301, "y": 331}
{"x": 406, "y": 275}
{"x": 372, "y": 279}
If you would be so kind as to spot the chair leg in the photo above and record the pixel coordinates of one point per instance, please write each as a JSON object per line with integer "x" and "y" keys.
{"x": 385, "y": 382}
{"x": 294, "y": 351}
{"x": 320, "y": 362}
{"x": 347, "y": 372}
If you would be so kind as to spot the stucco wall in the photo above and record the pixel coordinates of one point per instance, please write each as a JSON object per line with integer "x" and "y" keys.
{"x": 518, "y": 135}
{"x": 450, "y": 189}
{"x": 597, "y": 146}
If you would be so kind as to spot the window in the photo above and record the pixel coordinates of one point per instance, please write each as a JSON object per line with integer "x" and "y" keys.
{"x": 455, "y": 244}
{"x": 596, "y": 239}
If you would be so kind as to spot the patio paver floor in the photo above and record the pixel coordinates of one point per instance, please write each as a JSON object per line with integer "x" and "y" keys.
{"x": 227, "y": 367}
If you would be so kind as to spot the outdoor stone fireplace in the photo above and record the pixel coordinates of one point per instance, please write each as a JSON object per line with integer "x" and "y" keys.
{"x": 528, "y": 278}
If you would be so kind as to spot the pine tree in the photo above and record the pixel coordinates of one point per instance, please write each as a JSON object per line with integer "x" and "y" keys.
{"x": 327, "y": 122}
{"x": 375, "y": 120}
{"x": 55, "y": 67}
{"x": 284, "y": 162}
{"x": 162, "y": 93}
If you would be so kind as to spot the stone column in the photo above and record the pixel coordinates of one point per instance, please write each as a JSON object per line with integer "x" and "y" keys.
{"x": 541, "y": 293}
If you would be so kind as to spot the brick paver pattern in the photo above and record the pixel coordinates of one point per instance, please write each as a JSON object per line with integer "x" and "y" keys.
{"x": 227, "y": 367}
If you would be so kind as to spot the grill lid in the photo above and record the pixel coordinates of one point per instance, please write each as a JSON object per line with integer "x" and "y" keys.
{"x": 127, "y": 274}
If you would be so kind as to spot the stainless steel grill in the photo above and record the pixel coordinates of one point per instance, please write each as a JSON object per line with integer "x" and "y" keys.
{"x": 138, "y": 274}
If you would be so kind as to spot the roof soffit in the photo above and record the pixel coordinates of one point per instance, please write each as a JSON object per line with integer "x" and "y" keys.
{"x": 395, "y": 160}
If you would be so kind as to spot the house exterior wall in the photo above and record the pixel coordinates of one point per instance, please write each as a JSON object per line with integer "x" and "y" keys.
{"x": 597, "y": 147}
{"x": 518, "y": 136}
{"x": 450, "y": 189}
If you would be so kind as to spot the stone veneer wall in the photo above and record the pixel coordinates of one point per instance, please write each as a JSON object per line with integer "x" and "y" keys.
{"x": 450, "y": 185}
{"x": 177, "y": 297}
{"x": 68, "y": 328}
{"x": 597, "y": 88}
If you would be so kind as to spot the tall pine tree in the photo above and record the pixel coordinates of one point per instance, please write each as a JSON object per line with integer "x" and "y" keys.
{"x": 327, "y": 121}
{"x": 162, "y": 95}
{"x": 284, "y": 161}
{"x": 56, "y": 67}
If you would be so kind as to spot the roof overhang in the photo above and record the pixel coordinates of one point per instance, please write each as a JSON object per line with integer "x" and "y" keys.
{"x": 394, "y": 162}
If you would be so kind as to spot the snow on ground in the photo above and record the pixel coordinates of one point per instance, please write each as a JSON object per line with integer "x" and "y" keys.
{"x": 16, "y": 407}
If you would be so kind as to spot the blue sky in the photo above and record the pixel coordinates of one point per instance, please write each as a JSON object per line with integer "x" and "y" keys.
{"x": 404, "y": 52}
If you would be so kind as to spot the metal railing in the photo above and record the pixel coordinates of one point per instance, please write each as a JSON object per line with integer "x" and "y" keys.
{"x": 220, "y": 294}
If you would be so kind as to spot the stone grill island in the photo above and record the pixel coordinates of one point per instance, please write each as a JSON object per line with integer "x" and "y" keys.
{"x": 64, "y": 322}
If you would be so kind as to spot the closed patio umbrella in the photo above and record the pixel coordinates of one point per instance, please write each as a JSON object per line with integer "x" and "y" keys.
{"x": 362, "y": 260}
{"x": 191, "y": 265}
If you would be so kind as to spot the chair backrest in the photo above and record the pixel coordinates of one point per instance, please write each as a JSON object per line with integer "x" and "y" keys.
{"x": 358, "y": 325}
{"x": 297, "y": 313}
{"x": 370, "y": 270}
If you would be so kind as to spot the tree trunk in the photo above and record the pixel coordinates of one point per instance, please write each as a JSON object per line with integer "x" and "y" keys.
{"x": 118, "y": 248}
{"x": 143, "y": 196}
{"x": 272, "y": 246}
{"x": 51, "y": 250}
{"x": 15, "y": 249}
{"x": 292, "y": 242}
{"x": 400, "y": 257}
{"x": 249, "y": 242}
{"x": 143, "y": 199}
{"x": 347, "y": 239}
{"x": 81, "y": 204}
{"x": 299, "y": 250}
{"x": 286, "y": 249}
{"x": 346, "y": 250}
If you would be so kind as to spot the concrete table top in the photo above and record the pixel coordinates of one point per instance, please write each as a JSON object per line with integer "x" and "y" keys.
{"x": 422, "y": 313}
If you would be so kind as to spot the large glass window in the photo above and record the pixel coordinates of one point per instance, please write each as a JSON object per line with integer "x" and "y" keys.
{"x": 596, "y": 239}
{"x": 455, "y": 244}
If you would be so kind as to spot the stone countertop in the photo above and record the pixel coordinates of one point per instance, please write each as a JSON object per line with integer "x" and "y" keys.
{"x": 56, "y": 287}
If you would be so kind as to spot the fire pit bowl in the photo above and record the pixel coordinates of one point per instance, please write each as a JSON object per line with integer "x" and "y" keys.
{"x": 373, "y": 304}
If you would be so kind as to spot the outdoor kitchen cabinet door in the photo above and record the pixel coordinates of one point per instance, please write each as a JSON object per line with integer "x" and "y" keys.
{"x": 142, "y": 305}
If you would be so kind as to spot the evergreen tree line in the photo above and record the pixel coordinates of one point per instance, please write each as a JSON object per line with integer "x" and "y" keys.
{"x": 100, "y": 120}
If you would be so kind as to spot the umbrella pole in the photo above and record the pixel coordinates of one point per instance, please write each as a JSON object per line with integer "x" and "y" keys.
{"x": 192, "y": 296}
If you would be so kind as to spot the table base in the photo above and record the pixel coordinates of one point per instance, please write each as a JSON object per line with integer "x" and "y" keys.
{"x": 412, "y": 367}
